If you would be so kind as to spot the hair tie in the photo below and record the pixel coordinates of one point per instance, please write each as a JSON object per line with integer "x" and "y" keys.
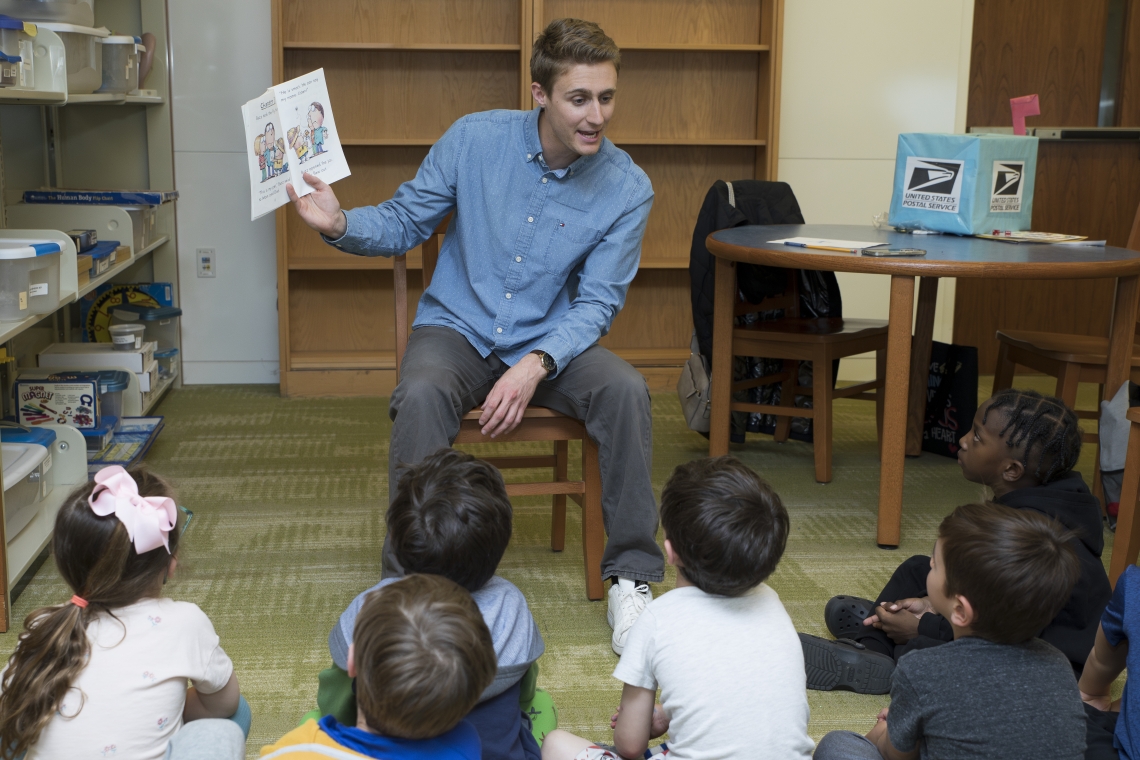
{"x": 148, "y": 519}
{"x": 79, "y": 602}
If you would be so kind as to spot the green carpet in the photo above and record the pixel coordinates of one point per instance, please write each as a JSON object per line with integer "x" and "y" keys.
{"x": 288, "y": 499}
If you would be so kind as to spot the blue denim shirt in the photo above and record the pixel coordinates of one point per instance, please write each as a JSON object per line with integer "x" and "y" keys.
{"x": 533, "y": 258}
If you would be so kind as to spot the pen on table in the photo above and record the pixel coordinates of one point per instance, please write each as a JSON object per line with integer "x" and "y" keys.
{"x": 822, "y": 247}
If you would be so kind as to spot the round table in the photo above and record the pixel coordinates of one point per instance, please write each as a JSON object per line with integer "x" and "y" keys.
{"x": 908, "y": 357}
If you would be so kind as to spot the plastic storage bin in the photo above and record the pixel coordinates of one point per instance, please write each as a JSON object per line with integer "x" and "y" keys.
{"x": 120, "y": 64}
{"x": 17, "y": 68}
{"x": 84, "y": 53}
{"x": 29, "y": 277}
{"x": 80, "y": 12}
{"x": 126, "y": 337}
{"x": 160, "y": 323}
{"x": 167, "y": 363}
{"x": 26, "y": 467}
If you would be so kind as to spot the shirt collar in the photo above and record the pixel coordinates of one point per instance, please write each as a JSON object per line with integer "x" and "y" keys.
{"x": 533, "y": 152}
{"x": 460, "y": 743}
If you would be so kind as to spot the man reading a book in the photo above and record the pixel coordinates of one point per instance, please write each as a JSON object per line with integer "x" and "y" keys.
{"x": 547, "y": 217}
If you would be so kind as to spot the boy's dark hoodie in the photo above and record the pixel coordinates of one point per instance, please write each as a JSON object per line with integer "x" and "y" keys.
{"x": 1073, "y": 631}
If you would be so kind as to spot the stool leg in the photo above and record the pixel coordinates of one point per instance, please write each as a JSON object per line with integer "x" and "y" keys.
{"x": 1126, "y": 543}
{"x": 558, "y": 501}
{"x": 1003, "y": 373}
{"x": 821, "y": 404}
{"x": 1067, "y": 382}
{"x": 593, "y": 528}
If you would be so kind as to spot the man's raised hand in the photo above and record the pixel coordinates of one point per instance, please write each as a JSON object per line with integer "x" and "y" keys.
{"x": 319, "y": 209}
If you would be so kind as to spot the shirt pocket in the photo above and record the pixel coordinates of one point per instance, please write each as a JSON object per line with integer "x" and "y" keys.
{"x": 570, "y": 242}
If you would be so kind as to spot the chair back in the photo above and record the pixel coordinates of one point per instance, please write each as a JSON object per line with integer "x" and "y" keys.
{"x": 430, "y": 255}
{"x": 789, "y": 300}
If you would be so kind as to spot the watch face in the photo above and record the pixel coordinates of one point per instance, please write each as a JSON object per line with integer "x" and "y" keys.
{"x": 548, "y": 362}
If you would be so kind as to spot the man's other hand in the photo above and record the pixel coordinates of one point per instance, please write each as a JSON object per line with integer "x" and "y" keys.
{"x": 504, "y": 406}
{"x": 319, "y": 209}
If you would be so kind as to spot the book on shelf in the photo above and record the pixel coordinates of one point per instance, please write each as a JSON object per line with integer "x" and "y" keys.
{"x": 290, "y": 130}
{"x": 100, "y": 197}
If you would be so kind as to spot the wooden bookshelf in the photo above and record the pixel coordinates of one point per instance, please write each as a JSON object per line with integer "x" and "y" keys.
{"x": 698, "y": 101}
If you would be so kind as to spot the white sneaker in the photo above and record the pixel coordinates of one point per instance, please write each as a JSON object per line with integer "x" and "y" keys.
{"x": 624, "y": 609}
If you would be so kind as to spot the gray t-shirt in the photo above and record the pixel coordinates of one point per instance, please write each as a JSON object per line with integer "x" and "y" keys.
{"x": 517, "y": 640}
{"x": 973, "y": 698}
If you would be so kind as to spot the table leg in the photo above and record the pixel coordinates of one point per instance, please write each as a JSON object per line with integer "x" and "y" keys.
{"x": 895, "y": 415}
{"x": 1121, "y": 334}
{"x": 724, "y": 304}
{"x": 1126, "y": 542}
{"x": 920, "y": 363}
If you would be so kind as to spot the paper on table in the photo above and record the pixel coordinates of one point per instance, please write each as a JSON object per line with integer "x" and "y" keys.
{"x": 806, "y": 242}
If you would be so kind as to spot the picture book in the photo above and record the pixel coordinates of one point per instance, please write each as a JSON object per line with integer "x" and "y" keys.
{"x": 290, "y": 130}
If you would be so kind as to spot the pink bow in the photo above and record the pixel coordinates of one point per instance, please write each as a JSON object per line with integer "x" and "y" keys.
{"x": 148, "y": 519}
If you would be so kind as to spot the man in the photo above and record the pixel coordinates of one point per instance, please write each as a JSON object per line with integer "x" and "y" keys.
{"x": 544, "y": 239}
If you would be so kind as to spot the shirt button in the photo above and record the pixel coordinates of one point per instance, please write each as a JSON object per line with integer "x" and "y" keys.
{"x": 498, "y": 329}
{"x": 527, "y": 156}
{"x": 544, "y": 180}
{"x": 518, "y": 258}
{"x": 508, "y": 296}
{"x": 530, "y": 218}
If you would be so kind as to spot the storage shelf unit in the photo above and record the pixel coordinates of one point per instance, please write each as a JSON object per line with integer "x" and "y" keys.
{"x": 698, "y": 101}
{"x": 97, "y": 141}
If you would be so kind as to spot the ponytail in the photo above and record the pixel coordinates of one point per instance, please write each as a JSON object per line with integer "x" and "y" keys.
{"x": 96, "y": 558}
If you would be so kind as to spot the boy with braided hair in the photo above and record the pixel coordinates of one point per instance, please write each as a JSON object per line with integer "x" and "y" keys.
{"x": 1023, "y": 447}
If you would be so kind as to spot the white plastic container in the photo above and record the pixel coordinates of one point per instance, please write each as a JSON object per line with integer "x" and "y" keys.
{"x": 29, "y": 277}
{"x": 84, "y": 53}
{"x": 143, "y": 224}
{"x": 120, "y": 64}
{"x": 25, "y": 477}
{"x": 17, "y": 62}
{"x": 160, "y": 323}
{"x": 79, "y": 12}
{"x": 127, "y": 337}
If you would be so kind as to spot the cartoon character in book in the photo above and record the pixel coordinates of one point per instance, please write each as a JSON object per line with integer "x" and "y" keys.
{"x": 299, "y": 140}
{"x": 316, "y": 124}
{"x": 279, "y": 164}
{"x": 259, "y": 151}
{"x": 269, "y": 149}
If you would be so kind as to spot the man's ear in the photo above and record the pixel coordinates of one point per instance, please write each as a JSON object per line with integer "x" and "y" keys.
{"x": 352, "y": 660}
{"x": 1012, "y": 470}
{"x": 671, "y": 556}
{"x": 963, "y": 614}
{"x": 538, "y": 94}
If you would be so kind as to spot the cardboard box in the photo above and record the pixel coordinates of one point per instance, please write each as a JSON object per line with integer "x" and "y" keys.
{"x": 73, "y": 356}
{"x": 964, "y": 184}
{"x": 148, "y": 379}
{"x": 65, "y": 399}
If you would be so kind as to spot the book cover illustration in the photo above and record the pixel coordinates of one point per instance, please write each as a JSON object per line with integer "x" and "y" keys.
{"x": 290, "y": 130}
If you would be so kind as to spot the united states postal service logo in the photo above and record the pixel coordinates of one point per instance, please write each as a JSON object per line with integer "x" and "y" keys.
{"x": 1005, "y": 195}
{"x": 932, "y": 184}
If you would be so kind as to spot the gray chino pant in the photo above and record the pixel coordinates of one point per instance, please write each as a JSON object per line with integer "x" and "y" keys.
{"x": 443, "y": 377}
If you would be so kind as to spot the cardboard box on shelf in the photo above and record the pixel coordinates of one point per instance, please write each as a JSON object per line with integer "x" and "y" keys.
{"x": 148, "y": 378}
{"x": 97, "y": 356}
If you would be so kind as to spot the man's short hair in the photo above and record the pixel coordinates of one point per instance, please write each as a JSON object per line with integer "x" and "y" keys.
{"x": 569, "y": 41}
{"x": 451, "y": 517}
{"x": 725, "y": 523}
{"x": 1015, "y": 566}
{"x": 423, "y": 656}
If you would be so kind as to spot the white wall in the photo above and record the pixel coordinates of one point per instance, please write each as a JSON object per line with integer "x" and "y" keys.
{"x": 222, "y": 58}
{"x": 856, "y": 75}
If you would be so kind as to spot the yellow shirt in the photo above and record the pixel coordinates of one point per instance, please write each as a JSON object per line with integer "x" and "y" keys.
{"x": 308, "y": 742}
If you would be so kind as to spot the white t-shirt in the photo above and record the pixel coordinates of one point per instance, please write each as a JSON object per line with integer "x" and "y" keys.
{"x": 731, "y": 674}
{"x": 134, "y": 686}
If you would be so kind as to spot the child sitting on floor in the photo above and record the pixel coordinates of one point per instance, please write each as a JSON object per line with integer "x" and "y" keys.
{"x": 1114, "y": 728}
{"x": 998, "y": 575}
{"x": 720, "y": 646}
{"x": 452, "y": 517}
{"x": 1023, "y": 446}
{"x": 421, "y": 656}
{"x": 105, "y": 673}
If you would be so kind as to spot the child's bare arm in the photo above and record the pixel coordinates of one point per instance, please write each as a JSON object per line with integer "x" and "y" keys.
{"x": 1104, "y": 664}
{"x": 221, "y": 704}
{"x": 634, "y": 721}
{"x": 881, "y": 738}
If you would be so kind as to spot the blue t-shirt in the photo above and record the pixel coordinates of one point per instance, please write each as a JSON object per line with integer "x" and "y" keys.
{"x": 460, "y": 743}
{"x": 1121, "y": 622}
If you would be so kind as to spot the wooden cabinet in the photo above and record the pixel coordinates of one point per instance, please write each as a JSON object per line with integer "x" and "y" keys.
{"x": 698, "y": 100}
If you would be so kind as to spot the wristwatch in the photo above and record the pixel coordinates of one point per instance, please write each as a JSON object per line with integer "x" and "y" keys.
{"x": 547, "y": 360}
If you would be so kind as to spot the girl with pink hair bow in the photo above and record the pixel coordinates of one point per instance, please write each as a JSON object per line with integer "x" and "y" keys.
{"x": 108, "y": 669}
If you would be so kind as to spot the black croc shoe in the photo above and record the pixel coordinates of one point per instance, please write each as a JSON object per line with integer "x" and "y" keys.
{"x": 845, "y": 664}
{"x": 844, "y": 616}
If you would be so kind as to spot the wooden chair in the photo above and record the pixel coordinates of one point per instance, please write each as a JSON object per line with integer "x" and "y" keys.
{"x": 538, "y": 424}
{"x": 820, "y": 341}
{"x": 1071, "y": 359}
{"x": 1126, "y": 542}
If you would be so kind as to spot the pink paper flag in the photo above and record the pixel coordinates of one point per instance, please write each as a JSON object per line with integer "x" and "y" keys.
{"x": 1026, "y": 105}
